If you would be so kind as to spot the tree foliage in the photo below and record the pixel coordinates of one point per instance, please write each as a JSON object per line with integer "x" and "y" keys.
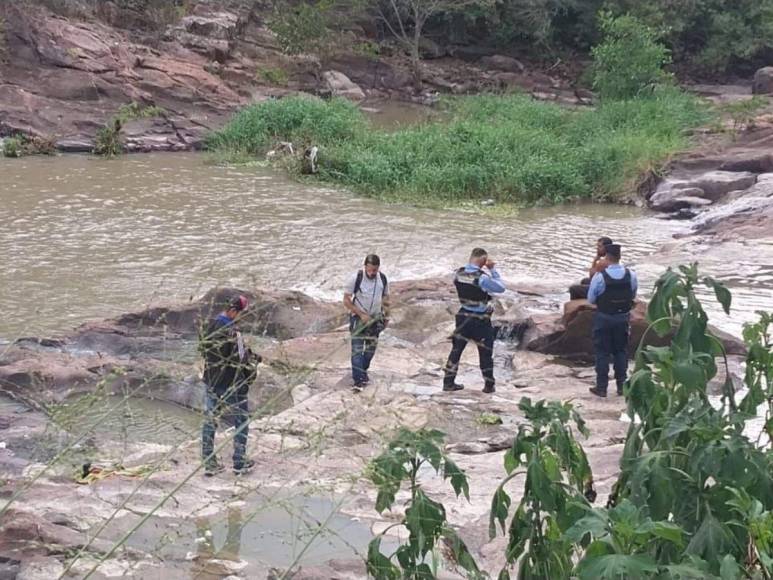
{"x": 629, "y": 62}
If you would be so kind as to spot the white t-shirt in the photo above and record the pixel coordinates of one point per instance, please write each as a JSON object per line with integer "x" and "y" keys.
{"x": 369, "y": 296}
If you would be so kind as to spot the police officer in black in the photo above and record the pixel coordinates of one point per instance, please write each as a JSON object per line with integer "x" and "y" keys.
{"x": 612, "y": 290}
{"x": 475, "y": 283}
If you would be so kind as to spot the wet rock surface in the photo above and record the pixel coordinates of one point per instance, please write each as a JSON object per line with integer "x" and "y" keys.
{"x": 320, "y": 437}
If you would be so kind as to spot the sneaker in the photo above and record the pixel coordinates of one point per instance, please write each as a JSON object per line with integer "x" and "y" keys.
{"x": 357, "y": 388}
{"x": 454, "y": 387}
{"x": 598, "y": 392}
{"x": 620, "y": 390}
{"x": 213, "y": 469}
{"x": 245, "y": 468}
{"x": 489, "y": 389}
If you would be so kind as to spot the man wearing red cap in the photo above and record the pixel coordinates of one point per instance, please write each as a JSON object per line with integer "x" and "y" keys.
{"x": 229, "y": 370}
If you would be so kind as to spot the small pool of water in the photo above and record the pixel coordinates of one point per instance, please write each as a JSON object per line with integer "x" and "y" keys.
{"x": 127, "y": 419}
{"x": 257, "y": 533}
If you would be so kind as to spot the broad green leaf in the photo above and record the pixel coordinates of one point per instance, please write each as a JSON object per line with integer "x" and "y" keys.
{"x": 668, "y": 531}
{"x": 519, "y": 533}
{"x": 458, "y": 478}
{"x": 729, "y": 569}
{"x": 504, "y": 574}
{"x": 721, "y": 292}
{"x": 594, "y": 523}
{"x": 616, "y": 567}
{"x": 379, "y": 566}
{"x": 500, "y": 505}
{"x": 424, "y": 520}
{"x": 538, "y": 483}
{"x": 460, "y": 552}
{"x": 711, "y": 539}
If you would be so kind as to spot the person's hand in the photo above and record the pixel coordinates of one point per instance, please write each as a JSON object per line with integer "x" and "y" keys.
{"x": 365, "y": 318}
{"x": 490, "y": 264}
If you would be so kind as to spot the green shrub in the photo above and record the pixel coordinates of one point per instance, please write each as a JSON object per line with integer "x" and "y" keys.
{"x": 134, "y": 110}
{"x": 107, "y": 142}
{"x": 273, "y": 76}
{"x": 630, "y": 60}
{"x": 512, "y": 148}
{"x": 299, "y": 120}
{"x": 12, "y": 147}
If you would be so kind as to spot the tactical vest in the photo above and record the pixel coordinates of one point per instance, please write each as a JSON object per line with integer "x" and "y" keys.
{"x": 468, "y": 288}
{"x": 617, "y": 296}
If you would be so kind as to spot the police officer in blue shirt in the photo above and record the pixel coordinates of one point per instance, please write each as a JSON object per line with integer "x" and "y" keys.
{"x": 474, "y": 285}
{"x": 612, "y": 290}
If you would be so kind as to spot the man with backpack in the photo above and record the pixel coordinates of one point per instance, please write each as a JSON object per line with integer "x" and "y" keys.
{"x": 366, "y": 297}
{"x": 612, "y": 290}
{"x": 475, "y": 283}
{"x": 229, "y": 369}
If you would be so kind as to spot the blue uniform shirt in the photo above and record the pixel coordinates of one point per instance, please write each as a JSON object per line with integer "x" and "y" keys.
{"x": 616, "y": 271}
{"x": 491, "y": 283}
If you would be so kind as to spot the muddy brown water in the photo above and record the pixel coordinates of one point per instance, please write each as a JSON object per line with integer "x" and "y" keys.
{"x": 84, "y": 238}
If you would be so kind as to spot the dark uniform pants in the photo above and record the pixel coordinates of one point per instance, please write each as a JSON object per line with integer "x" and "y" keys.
{"x": 475, "y": 327}
{"x": 610, "y": 340}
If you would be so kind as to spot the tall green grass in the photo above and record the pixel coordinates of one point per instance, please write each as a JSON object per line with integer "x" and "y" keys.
{"x": 511, "y": 148}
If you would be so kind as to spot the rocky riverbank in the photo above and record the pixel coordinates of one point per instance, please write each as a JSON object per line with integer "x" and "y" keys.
{"x": 63, "y": 78}
{"x": 311, "y": 435}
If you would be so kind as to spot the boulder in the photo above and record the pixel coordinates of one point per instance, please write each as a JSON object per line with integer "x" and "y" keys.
{"x": 569, "y": 335}
{"x": 754, "y": 162}
{"x": 340, "y": 85}
{"x": 503, "y": 63}
{"x": 668, "y": 198}
{"x": 715, "y": 184}
{"x": 763, "y": 81}
{"x": 216, "y": 25}
{"x": 711, "y": 185}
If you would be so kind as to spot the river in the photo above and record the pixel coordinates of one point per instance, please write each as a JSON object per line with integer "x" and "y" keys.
{"x": 84, "y": 238}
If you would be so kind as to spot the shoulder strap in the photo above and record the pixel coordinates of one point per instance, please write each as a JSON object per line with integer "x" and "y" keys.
{"x": 357, "y": 283}
{"x": 384, "y": 284}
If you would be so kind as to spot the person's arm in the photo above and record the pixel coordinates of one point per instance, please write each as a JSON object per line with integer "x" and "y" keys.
{"x": 599, "y": 265}
{"x": 596, "y": 288}
{"x": 491, "y": 281}
{"x": 634, "y": 283}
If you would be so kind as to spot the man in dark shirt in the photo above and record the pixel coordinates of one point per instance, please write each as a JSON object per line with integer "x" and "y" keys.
{"x": 229, "y": 370}
{"x": 612, "y": 290}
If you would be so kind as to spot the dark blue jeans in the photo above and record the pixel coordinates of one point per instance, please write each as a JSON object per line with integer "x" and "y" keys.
{"x": 610, "y": 340}
{"x": 364, "y": 343}
{"x": 232, "y": 409}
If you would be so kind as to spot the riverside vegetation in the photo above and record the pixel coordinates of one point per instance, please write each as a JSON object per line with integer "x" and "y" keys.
{"x": 509, "y": 148}
{"x": 694, "y": 498}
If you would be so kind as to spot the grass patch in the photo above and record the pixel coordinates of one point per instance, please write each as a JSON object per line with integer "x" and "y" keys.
{"x": 511, "y": 149}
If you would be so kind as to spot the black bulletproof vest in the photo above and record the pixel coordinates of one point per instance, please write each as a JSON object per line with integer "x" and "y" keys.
{"x": 468, "y": 288}
{"x": 617, "y": 296}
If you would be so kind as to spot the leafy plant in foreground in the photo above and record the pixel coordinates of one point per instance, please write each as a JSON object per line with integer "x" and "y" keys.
{"x": 685, "y": 459}
{"x": 425, "y": 519}
{"x": 558, "y": 481}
